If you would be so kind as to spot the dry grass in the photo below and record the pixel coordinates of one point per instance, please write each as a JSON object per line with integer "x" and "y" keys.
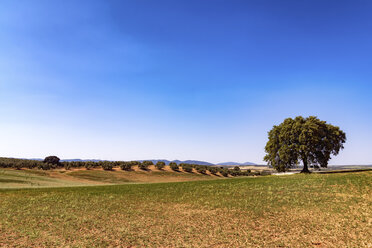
{"x": 25, "y": 178}
{"x": 294, "y": 211}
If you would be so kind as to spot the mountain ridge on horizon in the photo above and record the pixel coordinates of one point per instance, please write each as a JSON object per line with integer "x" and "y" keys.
{"x": 162, "y": 160}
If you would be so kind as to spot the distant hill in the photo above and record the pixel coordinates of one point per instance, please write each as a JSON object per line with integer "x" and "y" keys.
{"x": 179, "y": 161}
{"x": 163, "y": 160}
{"x": 81, "y": 160}
{"x": 235, "y": 164}
{"x": 228, "y": 163}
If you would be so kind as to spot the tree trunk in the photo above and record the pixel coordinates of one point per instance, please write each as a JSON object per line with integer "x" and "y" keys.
{"x": 305, "y": 169}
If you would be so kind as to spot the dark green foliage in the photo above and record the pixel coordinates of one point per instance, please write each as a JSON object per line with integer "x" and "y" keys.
{"x": 31, "y": 164}
{"x": 236, "y": 168}
{"x": 89, "y": 165}
{"x": 174, "y": 166}
{"x": 106, "y": 165}
{"x": 148, "y": 163}
{"x": 201, "y": 169}
{"x": 52, "y": 160}
{"x": 18, "y": 165}
{"x": 309, "y": 140}
{"x": 127, "y": 166}
{"x": 213, "y": 170}
{"x": 160, "y": 165}
{"x": 186, "y": 167}
{"x": 45, "y": 166}
{"x": 256, "y": 173}
{"x": 224, "y": 172}
{"x": 135, "y": 163}
{"x": 265, "y": 173}
{"x": 234, "y": 173}
{"x": 67, "y": 165}
{"x": 145, "y": 165}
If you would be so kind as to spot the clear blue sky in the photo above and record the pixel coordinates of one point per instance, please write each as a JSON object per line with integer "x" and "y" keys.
{"x": 188, "y": 79}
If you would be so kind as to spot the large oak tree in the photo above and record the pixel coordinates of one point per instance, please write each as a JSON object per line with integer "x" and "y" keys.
{"x": 307, "y": 140}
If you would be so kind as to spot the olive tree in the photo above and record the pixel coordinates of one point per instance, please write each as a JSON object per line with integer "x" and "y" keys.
{"x": 160, "y": 165}
{"x": 307, "y": 140}
{"x": 174, "y": 166}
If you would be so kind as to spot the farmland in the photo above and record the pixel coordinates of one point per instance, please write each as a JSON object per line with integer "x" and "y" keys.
{"x": 34, "y": 178}
{"x": 317, "y": 210}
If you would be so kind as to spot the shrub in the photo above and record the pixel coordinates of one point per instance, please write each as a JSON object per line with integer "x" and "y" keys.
{"x": 186, "y": 167}
{"x": 174, "y": 166}
{"x": 45, "y": 166}
{"x": 246, "y": 173}
{"x": 18, "y": 165}
{"x": 67, "y": 165}
{"x": 237, "y": 168}
{"x": 201, "y": 169}
{"x": 32, "y": 164}
{"x": 233, "y": 172}
{"x": 256, "y": 173}
{"x": 148, "y": 163}
{"x": 160, "y": 165}
{"x": 224, "y": 172}
{"x": 106, "y": 165}
{"x": 88, "y": 165}
{"x": 265, "y": 173}
{"x": 127, "y": 166}
{"x": 213, "y": 170}
{"x": 145, "y": 165}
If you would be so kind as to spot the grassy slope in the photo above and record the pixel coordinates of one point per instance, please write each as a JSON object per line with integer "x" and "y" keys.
{"x": 332, "y": 210}
{"x": 10, "y": 178}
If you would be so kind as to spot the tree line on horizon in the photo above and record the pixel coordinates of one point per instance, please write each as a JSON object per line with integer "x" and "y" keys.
{"x": 53, "y": 162}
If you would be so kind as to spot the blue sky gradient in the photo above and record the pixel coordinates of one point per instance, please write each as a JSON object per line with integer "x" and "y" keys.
{"x": 202, "y": 80}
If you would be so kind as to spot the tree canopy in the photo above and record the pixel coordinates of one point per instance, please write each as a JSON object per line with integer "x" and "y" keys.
{"x": 308, "y": 140}
{"x": 52, "y": 160}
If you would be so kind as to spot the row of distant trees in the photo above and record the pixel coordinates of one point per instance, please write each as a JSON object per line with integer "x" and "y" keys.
{"x": 53, "y": 162}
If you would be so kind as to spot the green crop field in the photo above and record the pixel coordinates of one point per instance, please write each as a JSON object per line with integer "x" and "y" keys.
{"x": 329, "y": 210}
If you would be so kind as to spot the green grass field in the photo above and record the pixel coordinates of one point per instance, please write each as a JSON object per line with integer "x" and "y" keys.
{"x": 330, "y": 210}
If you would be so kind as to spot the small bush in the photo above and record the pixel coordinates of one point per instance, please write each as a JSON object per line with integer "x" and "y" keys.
{"x": 127, "y": 166}
{"x": 174, "y": 166}
{"x": 213, "y": 170}
{"x": 145, "y": 165}
{"x": 135, "y": 163}
{"x": 265, "y": 173}
{"x": 256, "y": 173}
{"x": 201, "y": 169}
{"x": 107, "y": 165}
{"x": 67, "y": 165}
{"x": 45, "y": 166}
{"x": 186, "y": 167}
{"x": 224, "y": 172}
{"x": 88, "y": 165}
{"x": 237, "y": 168}
{"x": 160, "y": 165}
{"x": 18, "y": 165}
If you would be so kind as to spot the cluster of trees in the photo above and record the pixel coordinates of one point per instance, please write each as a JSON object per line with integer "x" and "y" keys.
{"x": 20, "y": 163}
{"x": 307, "y": 140}
{"x": 53, "y": 162}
